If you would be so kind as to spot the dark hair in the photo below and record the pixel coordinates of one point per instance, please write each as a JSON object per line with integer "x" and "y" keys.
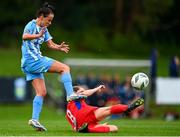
{"x": 75, "y": 88}
{"x": 45, "y": 10}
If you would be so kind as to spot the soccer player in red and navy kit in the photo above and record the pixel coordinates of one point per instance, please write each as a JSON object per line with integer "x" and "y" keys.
{"x": 86, "y": 118}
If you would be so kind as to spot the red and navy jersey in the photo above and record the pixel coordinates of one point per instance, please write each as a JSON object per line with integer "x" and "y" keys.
{"x": 79, "y": 112}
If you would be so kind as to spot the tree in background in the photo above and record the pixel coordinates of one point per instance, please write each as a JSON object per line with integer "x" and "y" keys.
{"x": 98, "y": 25}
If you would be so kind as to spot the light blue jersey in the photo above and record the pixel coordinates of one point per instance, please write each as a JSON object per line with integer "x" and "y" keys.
{"x": 33, "y": 63}
{"x": 31, "y": 48}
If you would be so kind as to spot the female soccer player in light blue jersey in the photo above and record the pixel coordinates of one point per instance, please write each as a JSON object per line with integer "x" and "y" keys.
{"x": 34, "y": 64}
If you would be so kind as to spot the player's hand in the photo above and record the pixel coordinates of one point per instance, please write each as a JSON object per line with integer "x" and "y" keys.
{"x": 42, "y": 31}
{"x": 64, "y": 47}
{"x": 101, "y": 88}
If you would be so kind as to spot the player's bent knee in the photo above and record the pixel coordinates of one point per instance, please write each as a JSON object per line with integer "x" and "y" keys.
{"x": 43, "y": 94}
{"x": 66, "y": 68}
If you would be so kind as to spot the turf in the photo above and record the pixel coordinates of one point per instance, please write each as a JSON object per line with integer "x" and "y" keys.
{"x": 13, "y": 122}
{"x": 10, "y": 60}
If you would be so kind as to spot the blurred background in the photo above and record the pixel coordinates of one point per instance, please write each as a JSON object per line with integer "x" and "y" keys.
{"x": 109, "y": 41}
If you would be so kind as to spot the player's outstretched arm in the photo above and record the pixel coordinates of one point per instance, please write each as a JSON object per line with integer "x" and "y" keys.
{"x": 89, "y": 92}
{"x": 61, "y": 47}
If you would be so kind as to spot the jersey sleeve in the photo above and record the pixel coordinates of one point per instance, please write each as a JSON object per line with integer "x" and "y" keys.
{"x": 29, "y": 28}
{"x": 47, "y": 35}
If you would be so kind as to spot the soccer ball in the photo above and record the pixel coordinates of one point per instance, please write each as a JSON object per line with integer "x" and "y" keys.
{"x": 140, "y": 81}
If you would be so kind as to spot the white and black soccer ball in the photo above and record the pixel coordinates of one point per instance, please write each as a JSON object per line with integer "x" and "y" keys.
{"x": 139, "y": 81}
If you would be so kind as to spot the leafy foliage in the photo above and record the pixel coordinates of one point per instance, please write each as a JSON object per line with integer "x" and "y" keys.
{"x": 94, "y": 26}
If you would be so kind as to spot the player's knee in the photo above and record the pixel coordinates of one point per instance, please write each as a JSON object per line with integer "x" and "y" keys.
{"x": 113, "y": 128}
{"x": 66, "y": 68}
{"x": 43, "y": 93}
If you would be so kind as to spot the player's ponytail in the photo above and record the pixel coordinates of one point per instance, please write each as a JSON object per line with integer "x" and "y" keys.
{"x": 45, "y": 10}
{"x": 47, "y": 5}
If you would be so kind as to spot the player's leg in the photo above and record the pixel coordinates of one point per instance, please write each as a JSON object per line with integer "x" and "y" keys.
{"x": 134, "y": 105}
{"x": 34, "y": 72}
{"x": 46, "y": 64}
{"x": 103, "y": 112}
{"x": 64, "y": 70}
{"x": 40, "y": 89}
{"x": 99, "y": 128}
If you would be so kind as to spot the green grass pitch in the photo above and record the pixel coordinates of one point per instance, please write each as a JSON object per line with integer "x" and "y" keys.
{"x": 14, "y": 118}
